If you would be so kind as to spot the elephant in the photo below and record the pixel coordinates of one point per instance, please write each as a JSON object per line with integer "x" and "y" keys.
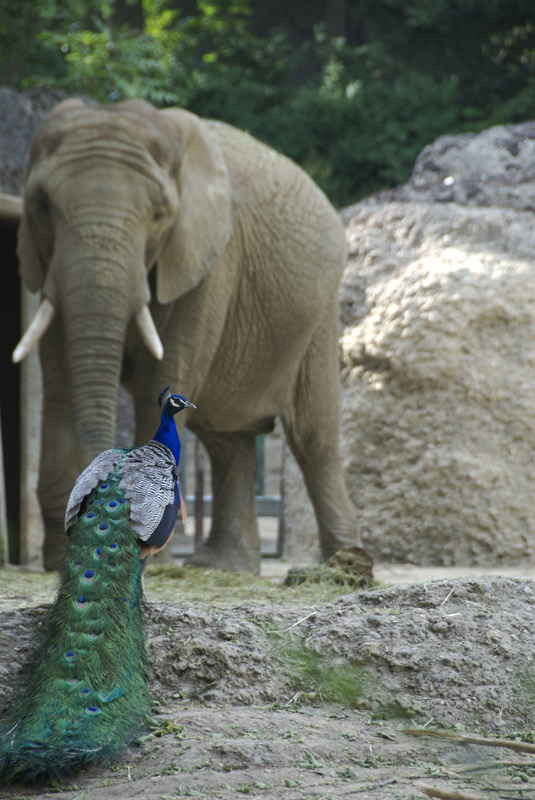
{"x": 172, "y": 250}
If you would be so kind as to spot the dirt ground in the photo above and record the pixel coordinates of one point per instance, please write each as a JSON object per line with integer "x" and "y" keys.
{"x": 289, "y": 701}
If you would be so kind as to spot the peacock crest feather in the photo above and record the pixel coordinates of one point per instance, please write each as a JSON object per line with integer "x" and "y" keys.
{"x": 87, "y": 697}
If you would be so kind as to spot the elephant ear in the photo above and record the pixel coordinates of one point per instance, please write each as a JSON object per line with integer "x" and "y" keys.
{"x": 204, "y": 221}
{"x": 31, "y": 267}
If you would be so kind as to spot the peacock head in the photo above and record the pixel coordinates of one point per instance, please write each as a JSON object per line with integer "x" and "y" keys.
{"x": 172, "y": 403}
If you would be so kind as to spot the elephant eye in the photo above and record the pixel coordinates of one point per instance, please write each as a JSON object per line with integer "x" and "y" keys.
{"x": 42, "y": 204}
{"x": 158, "y": 215}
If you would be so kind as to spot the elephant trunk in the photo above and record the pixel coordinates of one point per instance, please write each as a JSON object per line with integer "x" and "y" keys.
{"x": 94, "y": 346}
{"x": 97, "y": 297}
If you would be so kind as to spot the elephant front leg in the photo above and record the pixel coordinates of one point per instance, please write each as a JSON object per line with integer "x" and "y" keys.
{"x": 234, "y": 542}
{"x": 55, "y": 483}
{"x": 59, "y": 467}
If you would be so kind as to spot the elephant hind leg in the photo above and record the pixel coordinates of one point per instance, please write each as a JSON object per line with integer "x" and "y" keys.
{"x": 234, "y": 542}
{"x": 312, "y": 427}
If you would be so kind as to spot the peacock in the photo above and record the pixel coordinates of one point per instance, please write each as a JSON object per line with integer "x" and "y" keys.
{"x": 86, "y": 696}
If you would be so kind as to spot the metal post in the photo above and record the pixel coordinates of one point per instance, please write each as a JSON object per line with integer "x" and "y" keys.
{"x": 260, "y": 465}
{"x": 183, "y": 469}
{"x": 199, "y": 496}
{"x": 4, "y": 553}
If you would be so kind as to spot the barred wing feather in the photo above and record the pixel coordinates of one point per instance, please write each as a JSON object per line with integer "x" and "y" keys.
{"x": 98, "y": 470}
{"x": 148, "y": 481}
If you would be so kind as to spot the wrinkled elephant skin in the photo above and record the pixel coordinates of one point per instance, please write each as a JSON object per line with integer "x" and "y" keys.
{"x": 237, "y": 256}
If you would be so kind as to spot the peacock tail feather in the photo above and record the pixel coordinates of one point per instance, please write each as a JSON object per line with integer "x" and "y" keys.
{"x": 87, "y": 695}
{"x": 87, "y": 698}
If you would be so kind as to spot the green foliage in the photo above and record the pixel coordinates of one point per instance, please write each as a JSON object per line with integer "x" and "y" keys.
{"x": 354, "y": 111}
{"x": 358, "y": 137}
{"x": 344, "y": 682}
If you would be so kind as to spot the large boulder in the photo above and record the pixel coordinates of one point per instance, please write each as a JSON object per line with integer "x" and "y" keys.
{"x": 495, "y": 168}
{"x": 438, "y": 361}
{"x": 21, "y": 113}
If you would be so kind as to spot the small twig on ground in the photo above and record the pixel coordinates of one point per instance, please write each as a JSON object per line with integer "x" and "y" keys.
{"x": 299, "y": 621}
{"x": 369, "y": 787}
{"x": 463, "y": 738}
{"x": 445, "y": 794}
{"x": 447, "y": 598}
{"x": 484, "y": 765}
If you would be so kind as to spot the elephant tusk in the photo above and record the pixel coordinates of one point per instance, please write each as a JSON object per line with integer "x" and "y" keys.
{"x": 36, "y": 329}
{"x": 148, "y": 332}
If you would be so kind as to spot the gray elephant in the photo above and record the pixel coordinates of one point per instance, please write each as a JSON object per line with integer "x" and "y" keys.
{"x": 154, "y": 227}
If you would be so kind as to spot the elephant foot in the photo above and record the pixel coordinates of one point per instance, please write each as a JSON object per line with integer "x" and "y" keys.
{"x": 343, "y": 538}
{"x": 164, "y": 557}
{"x": 352, "y": 568}
{"x": 224, "y": 558}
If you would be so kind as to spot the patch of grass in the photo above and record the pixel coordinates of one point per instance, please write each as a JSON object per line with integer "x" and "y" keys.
{"x": 316, "y": 676}
{"x": 172, "y": 584}
{"x": 521, "y": 736}
{"x": 524, "y": 773}
{"x": 526, "y": 686}
{"x": 311, "y": 762}
{"x": 347, "y": 773}
{"x": 20, "y": 588}
{"x": 25, "y": 588}
{"x": 352, "y": 569}
{"x": 395, "y": 710}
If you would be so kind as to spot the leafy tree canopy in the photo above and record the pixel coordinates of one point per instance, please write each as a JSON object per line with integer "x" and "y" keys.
{"x": 351, "y": 90}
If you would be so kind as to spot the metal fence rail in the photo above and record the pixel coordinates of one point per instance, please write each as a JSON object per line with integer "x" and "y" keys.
{"x": 194, "y": 470}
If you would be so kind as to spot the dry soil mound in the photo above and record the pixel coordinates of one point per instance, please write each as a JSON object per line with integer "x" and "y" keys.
{"x": 457, "y": 652}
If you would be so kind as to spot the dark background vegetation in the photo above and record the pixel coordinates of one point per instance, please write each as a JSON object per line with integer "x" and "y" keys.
{"x": 351, "y": 89}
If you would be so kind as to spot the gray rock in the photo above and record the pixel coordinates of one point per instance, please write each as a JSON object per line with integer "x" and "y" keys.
{"x": 20, "y": 115}
{"x": 438, "y": 360}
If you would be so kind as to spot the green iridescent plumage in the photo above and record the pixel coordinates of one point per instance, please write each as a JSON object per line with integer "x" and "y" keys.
{"x": 87, "y": 697}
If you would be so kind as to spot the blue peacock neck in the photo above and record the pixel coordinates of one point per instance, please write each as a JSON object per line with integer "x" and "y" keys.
{"x": 167, "y": 434}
